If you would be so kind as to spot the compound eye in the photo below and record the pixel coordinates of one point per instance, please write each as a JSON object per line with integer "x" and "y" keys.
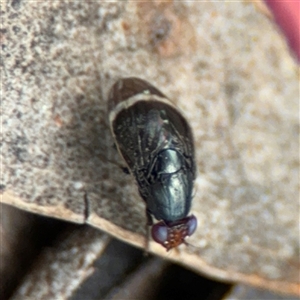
{"x": 191, "y": 225}
{"x": 160, "y": 233}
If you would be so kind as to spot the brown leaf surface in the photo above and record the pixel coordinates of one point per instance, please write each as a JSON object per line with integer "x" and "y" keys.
{"x": 224, "y": 64}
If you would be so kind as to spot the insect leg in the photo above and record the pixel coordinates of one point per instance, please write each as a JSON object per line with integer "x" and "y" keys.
{"x": 148, "y": 224}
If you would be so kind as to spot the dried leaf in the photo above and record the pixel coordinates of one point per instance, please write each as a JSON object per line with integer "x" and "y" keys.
{"x": 224, "y": 64}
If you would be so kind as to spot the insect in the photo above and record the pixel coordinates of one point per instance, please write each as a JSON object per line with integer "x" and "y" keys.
{"x": 156, "y": 143}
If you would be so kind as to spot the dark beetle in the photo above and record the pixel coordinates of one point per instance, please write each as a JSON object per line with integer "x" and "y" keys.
{"x": 156, "y": 142}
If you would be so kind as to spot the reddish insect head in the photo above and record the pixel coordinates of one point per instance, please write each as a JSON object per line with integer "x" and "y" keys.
{"x": 173, "y": 234}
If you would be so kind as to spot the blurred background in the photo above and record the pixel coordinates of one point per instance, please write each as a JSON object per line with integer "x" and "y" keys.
{"x": 43, "y": 258}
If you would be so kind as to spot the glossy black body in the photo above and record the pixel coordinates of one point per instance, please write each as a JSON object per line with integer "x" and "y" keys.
{"x": 156, "y": 142}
